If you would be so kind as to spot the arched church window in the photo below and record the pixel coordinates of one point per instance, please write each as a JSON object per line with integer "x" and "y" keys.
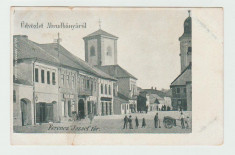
{"x": 109, "y": 51}
{"x": 92, "y": 51}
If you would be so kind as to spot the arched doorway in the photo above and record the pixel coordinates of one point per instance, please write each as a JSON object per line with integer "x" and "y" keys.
{"x": 81, "y": 109}
{"x": 25, "y": 112}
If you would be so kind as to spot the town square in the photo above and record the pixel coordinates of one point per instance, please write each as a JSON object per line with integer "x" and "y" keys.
{"x": 58, "y": 91}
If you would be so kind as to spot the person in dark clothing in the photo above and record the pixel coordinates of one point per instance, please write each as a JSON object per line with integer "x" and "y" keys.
{"x": 182, "y": 120}
{"x": 143, "y": 123}
{"x": 146, "y": 110}
{"x": 130, "y": 122}
{"x": 125, "y": 122}
{"x": 136, "y": 122}
{"x": 156, "y": 120}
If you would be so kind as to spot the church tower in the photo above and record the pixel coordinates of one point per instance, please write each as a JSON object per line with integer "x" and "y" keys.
{"x": 186, "y": 44}
{"x": 101, "y": 48}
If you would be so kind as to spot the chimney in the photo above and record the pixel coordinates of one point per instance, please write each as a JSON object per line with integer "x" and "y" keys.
{"x": 21, "y": 36}
{"x": 155, "y": 88}
{"x": 151, "y": 87}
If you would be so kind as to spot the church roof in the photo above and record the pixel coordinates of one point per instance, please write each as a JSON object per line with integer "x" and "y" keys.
{"x": 100, "y": 33}
{"x": 187, "y": 27}
{"x": 185, "y": 76}
{"x": 116, "y": 71}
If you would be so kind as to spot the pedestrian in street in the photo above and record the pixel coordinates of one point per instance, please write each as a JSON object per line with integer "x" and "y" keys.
{"x": 146, "y": 110}
{"x": 130, "y": 122}
{"x": 125, "y": 122}
{"x": 136, "y": 122}
{"x": 156, "y": 120}
{"x": 91, "y": 117}
{"x": 187, "y": 122}
{"x": 182, "y": 120}
{"x": 143, "y": 123}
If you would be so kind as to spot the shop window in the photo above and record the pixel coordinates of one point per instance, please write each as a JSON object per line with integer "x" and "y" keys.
{"x": 42, "y": 76}
{"x": 36, "y": 74}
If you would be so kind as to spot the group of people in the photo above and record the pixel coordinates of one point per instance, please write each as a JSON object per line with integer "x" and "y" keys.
{"x": 184, "y": 121}
{"x": 128, "y": 121}
{"x": 164, "y": 108}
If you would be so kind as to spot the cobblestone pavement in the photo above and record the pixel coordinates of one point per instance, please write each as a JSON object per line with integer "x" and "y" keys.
{"x": 110, "y": 124}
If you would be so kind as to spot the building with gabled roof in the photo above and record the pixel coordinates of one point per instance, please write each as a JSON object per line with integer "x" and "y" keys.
{"x": 182, "y": 85}
{"x": 101, "y": 52}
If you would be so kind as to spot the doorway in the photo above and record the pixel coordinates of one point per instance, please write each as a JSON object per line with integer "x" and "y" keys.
{"x": 24, "y": 112}
{"x": 44, "y": 112}
{"x": 81, "y": 109}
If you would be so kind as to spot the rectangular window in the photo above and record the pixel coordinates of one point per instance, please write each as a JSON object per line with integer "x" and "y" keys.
{"x": 36, "y": 74}
{"x": 184, "y": 90}
{"x": 105, "y": 89}
{"x": 53, "y": 78}
{"x": 48, "y": 77}
{"x": 88, "y": 84}
{"x": 42, "y": 76}
{"x": 94, "y": 86}
{"x": 101, "y": 87}
{"x": 62, "y": 80}
{"x": 72, "y": 81}
{"x": 109, "y": 90}
{"x": 14, "y": 96}
{"x": 178, "y": 90}
{"x": 67, "y": 80}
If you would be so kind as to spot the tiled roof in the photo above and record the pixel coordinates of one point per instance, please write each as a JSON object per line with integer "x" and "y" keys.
{"x": 100, "y": 32}
{"x": 66, "y": 56}
{"x": 27, "y": 49}
{"x": 116, "y": 71}
{"x": 185, "y": 76}
{"x": 154, "y": 91}
{"x": 120, "y": 100}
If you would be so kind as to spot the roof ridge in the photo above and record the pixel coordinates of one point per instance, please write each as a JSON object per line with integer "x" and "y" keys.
{"x": 181, "y": 73}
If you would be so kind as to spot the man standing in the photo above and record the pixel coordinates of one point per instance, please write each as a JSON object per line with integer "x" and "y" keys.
{"x": 130, "y": 122}
{"x": 182, "y": 120}
{"x": 125, "y": 122}
{"x": 156, "y": 120}
{"x": 136, "y": 122}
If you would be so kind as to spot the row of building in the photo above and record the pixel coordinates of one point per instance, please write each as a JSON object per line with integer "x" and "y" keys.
{"x": 50, "y": 84}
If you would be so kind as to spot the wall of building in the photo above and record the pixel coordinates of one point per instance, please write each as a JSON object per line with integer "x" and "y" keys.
{"x": 185, "y": 42}
{"x": 22, "y": 92}
{"x": 24, "y": 71}
{"x": 92, "y": 59}
{"x": 102, "y": 96}
{"x": 108, "y": 50}
{"x": 47, "y": 92}
{"x": 189, "y": 95}
{"x": 178, "y": 98}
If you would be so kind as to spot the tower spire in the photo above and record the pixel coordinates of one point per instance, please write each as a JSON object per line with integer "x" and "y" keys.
{"x": 189, "y": 12}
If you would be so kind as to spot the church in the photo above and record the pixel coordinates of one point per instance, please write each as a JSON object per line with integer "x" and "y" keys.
{"x": 182, "y": 86}
{"x": 101, "y": 52}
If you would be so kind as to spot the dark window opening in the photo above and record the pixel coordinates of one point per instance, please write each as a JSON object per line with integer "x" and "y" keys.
{"x": 48, "y": 77}
{"x": 178, "y": 90}
{"x": 53, "y": 78}
{"x": 42, "y": 76}
{"x": 101, "y": 87}
{"x": 36, "y": 74}
{"x": 105, "y": 89}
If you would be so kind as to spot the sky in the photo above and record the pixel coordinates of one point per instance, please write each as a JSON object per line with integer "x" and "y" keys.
{"x": 148, "y": 45}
